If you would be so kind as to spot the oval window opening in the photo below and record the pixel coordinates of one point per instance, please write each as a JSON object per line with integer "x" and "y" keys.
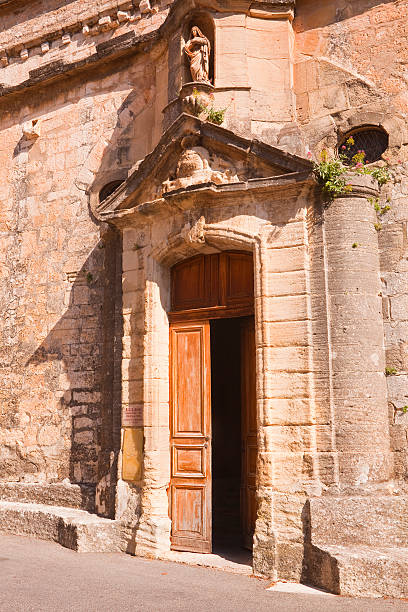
{"x": 108, "y": 189}
{"x": 370, "y": 139}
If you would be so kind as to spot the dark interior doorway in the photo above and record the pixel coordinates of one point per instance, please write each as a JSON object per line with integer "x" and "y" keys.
{"x": 226, "y": 433}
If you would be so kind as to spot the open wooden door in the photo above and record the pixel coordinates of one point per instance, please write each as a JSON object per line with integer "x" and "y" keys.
{"x": 249, "y": 431}
{"x": 190, "y": 436}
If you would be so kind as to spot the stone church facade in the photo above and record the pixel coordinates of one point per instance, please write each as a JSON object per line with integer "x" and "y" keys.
{"x": 158, "y": 206}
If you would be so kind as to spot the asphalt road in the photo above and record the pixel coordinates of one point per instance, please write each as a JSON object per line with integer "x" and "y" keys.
{"x": 38, "y": 576}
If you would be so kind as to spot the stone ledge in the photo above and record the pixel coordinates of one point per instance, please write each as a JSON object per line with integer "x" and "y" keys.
{"x": 75, "y": 529}
{"x": 53, "y": 494}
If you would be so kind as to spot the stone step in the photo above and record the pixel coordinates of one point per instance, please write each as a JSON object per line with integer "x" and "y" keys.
{"x": 76, "y": 529}
{"x": 361, "y": 571}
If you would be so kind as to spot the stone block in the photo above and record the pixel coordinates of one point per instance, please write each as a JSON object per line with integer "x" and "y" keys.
{"x": 286, "y": 260}
{"x": 286, "y": 308}
{"x": 286, "y": 359}
{"x": 287, "y": 412}
{"x": 399, "y": 308}
{"x": 284, "y": 333}
{"x": 283, "y": 385}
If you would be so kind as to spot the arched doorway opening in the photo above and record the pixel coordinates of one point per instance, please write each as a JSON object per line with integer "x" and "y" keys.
{"x": 213, "y": 427}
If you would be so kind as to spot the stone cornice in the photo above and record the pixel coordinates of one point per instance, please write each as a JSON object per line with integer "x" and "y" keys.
{"x": 210, "y": 194}
{"x": 113, "y": 49}
{"x": 31, "y": 34}
{"x": 292, "y": 169}
{"x": 130, "y": 42}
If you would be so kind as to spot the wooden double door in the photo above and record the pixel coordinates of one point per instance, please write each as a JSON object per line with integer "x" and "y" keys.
{"x": 191, "y": 415}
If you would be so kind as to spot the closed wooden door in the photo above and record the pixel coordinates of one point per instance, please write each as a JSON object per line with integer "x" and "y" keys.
{"x": 249, "y": 432}
{"x": 190, "y": 436}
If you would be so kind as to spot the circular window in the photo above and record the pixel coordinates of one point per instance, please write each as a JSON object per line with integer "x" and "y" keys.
{"x": 108, "y": 189}
{"x": 370, "y": 139}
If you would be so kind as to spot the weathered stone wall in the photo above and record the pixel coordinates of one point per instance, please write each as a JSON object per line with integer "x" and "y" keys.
{"x": 350, "y": 71}
{"x": 60, "y": 272}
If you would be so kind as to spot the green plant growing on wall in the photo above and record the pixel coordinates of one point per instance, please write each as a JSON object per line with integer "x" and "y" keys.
{"x": 216, "y": 116}
{"x": 329, "y": 171}
{"x": 380, "y": 210}
{"x": 403, "y": 409}
{"x": 390, "y": 371}
{"x": 212, "y": 114}
{"x": 381, "y": 174}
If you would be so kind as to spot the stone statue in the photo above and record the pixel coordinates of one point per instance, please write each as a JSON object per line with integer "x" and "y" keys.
{"x": 198, "y": 50}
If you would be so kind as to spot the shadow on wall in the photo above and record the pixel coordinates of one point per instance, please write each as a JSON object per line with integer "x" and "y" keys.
{"x": 87, "y": 339}
{"x": 129, "y": 141}
{"x": 311, "y": 15}
{"x": 319, "y": 569}
{"x": 87, "y": 342}
{"x": 75, "y": 370}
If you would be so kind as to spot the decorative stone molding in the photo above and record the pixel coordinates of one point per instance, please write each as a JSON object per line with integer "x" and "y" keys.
{"x": 194, "y": 168}
{"x": 144, "y": 6}
{"x": 122, "y": 16}
{"x": 129, "y": 42}
{"x": 105, "y": 23}
{"x": 279, "y": 9}
{"x": 196, "y": 155}
{"x": 94, "y": 26}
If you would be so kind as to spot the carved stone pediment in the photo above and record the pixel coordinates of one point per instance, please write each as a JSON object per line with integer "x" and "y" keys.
{"x": 193, "y": 153}
{"x": 197, "y": 166}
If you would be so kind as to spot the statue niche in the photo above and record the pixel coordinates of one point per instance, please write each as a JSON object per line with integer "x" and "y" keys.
{"x": 198, "y": 49}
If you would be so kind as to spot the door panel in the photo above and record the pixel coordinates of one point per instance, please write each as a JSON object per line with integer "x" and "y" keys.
{"x": 189, "y": 460}
{"x": 249, "y": 431}
{"x": 237, "y": 274}
{"x": 190, "y": 436}
{"x": 215, "y": 282}
{"x": 195, "y": 283}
